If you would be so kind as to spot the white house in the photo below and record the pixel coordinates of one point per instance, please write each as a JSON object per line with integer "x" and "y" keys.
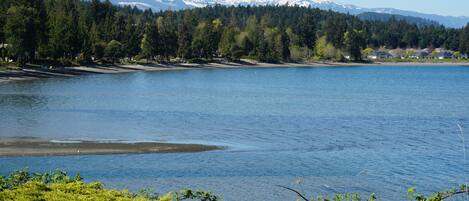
{"x": 420, "y": 54}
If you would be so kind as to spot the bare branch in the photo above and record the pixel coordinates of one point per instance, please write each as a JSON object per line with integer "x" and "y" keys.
{"x": 298, "y": 193}
{"x": 455, "y": 193}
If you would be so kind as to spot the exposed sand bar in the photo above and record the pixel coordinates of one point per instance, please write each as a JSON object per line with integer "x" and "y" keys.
{"x": 39, "y": 147}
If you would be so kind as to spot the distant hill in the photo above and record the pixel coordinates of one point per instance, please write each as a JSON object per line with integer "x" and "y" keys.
{"x": 371, "y": 16}
{"x": 157, "y": 5}
{"x": 448, "y": 21}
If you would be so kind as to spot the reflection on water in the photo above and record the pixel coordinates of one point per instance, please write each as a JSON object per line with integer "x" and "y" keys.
{"x": 366, "y": 129}
{"x": 22, "y": 101}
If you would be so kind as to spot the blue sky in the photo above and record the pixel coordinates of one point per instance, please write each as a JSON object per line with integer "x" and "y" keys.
{"x": 441, "y": 7}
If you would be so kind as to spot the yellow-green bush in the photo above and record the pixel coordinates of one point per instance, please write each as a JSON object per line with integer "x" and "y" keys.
{"x": 58, "y": 186}
{"x": 73, "y": 191}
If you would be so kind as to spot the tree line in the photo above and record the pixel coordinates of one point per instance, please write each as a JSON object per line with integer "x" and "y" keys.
{"x": 87, "y": 31}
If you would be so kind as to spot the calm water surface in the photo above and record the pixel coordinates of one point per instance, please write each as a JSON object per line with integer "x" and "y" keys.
{"x": 318, "y": 130}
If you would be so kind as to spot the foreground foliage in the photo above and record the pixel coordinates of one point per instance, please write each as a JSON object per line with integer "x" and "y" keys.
{"x": 58, "y": 186}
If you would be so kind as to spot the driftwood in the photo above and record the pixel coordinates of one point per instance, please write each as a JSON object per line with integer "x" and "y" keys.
{"x": 442, "y": 198}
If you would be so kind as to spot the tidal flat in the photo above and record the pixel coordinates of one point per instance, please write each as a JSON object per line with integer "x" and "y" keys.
{"x": 40, "y": 147}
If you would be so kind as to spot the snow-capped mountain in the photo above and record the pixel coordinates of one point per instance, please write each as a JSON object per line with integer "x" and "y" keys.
{"x": 156, "y": 5}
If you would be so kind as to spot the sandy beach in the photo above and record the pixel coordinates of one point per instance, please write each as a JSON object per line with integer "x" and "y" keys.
{"x": 38, "y": 73}
{"x": 41, "y": 147}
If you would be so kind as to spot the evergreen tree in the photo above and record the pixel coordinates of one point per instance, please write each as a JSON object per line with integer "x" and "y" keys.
{"x": 113, "y": 51}
{"x": 227, "y": 41}
{"x": 202, "y": 41}
{"x": 272, "y": 40}
{"x": 86, "y": 44}
{"x": 98, "y": 50}
{"x": 236, "y": 52}
{"x": 452, "y": 40}
{"x": 185, "y": 36}
{"x": 254, "y": 35}
{"x": 119, "y": 26}
{"x": 464, "y": 42}
{"x": 64, "y": 41}
{"x": 167, "y": 35}
{"x": 354, "y": 42}
{"x": 263, "y": 48}
{"x": 146, "y": 47}
{"x": 20, "y": 33}
{"x": 131, "y": 39}
{"x": 216, "y": 29}
{"x": 283, "y": 46}
{"x": 307, "y": 32}
{"x": 3, "y": 13}
{"x": 411, "y": 37}
{"x": 152, "y": 32}
{"x": 334, "y": 28}
{"x": 149, "y": 43}
{"x": 95, "y": 11}
{"x": 246, "y": 45}
{"x": 106, "y": 24}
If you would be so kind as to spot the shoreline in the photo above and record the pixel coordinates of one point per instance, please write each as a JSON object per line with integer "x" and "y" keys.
{"x": 41, "y": 73}
{"x": 17, "y": 147}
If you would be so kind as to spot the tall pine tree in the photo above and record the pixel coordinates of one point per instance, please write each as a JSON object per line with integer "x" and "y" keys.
{"x": 464, "y": 42}
{"x": 185, "y": 36}
{"x": 354, "y": 42}
{"x": 20, "y": 33}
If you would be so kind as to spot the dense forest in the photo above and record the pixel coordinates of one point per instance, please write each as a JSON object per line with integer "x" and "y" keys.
{"x": 87, "y": 31}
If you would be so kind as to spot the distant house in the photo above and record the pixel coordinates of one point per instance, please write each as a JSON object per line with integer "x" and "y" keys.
{"x": 464, "y": 56}
{"x": 420, "y": 54}
{"x": 378, "y": 54}
{"x": 445, "y": 55}
{"x": 397, "y": 53}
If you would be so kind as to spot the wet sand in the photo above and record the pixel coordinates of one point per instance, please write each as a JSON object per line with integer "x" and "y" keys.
{"x": 40, "y": 147}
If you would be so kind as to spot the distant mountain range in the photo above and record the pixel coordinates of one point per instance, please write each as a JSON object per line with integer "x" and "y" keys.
{"x": 156, "y": 5}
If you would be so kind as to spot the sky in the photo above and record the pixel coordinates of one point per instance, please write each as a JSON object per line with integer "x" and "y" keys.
{"x": 441, "y": 7}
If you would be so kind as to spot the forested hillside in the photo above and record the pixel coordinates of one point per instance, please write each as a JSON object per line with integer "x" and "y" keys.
{"x": 86, "y": 31}
{"x": 371, "y": 16}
